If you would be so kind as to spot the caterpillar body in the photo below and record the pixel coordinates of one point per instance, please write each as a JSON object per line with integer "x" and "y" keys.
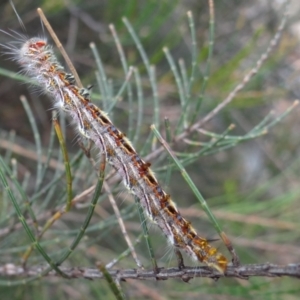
{"x": 38, "y": 61}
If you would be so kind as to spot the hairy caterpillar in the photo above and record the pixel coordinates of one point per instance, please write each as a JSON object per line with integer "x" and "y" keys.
{"x": 38, "y": 61}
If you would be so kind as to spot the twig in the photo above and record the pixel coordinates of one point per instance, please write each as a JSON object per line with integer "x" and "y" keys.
{"x": 187, "y": 273}
{"x": 121, "y": 224}
{"x": 59, "y": 46}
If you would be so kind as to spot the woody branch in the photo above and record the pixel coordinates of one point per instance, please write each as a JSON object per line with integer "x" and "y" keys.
{"x": 187, "y": 273}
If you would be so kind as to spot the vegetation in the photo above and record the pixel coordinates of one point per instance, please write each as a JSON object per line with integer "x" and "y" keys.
{"x": 208, "y": 80}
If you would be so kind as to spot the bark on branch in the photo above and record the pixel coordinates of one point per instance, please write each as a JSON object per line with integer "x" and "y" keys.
{"x": 11, "y": 271}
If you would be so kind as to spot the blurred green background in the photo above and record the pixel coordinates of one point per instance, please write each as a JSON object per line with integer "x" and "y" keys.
{"x": 252, "y": 188}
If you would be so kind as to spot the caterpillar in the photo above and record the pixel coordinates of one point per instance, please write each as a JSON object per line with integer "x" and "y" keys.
{"x": 38, "y": 61}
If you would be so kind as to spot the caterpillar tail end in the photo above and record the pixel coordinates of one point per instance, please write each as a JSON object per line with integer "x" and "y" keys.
{"x": 220, "y": 264}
